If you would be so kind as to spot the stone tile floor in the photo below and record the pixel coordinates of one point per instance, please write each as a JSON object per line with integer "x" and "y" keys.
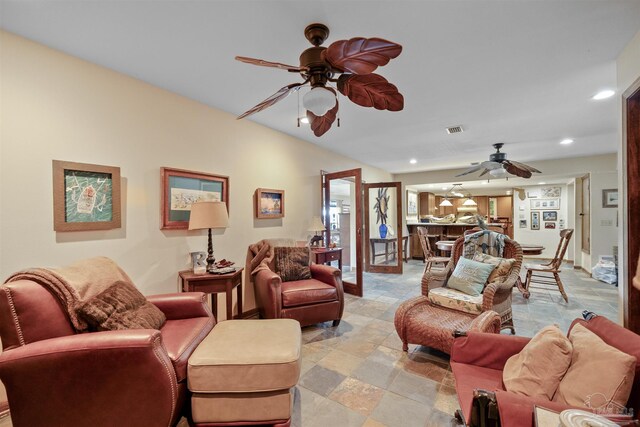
{"x": 356, "y": 374}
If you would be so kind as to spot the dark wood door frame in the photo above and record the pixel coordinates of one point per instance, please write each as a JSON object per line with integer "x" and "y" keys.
{"x": 397, "y": 269}
{"x": 356, "y": 175}
{"x": 631, "y": 194}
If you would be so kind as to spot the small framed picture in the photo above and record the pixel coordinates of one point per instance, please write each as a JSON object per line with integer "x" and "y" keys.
{"x": 549, "y": 215}
{"x": 550, "y": 225}
{"x": 550, "y": 191}
{"x": 535, "y": 220}
{"x": 540, "y": 204}
{"x": 610, "y": 198}
{"x": 85, "y": 197}
{"x": 269, "y": 203}
{"x": 523, "y": 223}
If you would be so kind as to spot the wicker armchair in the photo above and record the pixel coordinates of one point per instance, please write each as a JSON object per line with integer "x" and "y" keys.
{"x": 496, "y": 295}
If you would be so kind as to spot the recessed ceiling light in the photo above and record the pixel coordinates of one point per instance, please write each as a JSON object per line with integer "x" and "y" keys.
{"x": 566, "y": 141}
{"x": 304, "y": 120}
{"x": 541, "y": 183}
{"x": 603, "y": 94}
{"x": 413, "y": 161}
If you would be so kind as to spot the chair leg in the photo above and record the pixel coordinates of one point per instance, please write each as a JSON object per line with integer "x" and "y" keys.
{"x": 561, "y": 287}
{"x": 527, "y": 282}
{"x": 405, "y": 346}
{"x": 336, "y": 322}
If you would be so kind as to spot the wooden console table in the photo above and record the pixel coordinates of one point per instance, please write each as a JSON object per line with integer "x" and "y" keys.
{"x": 326, "y": 255}
{"x": 214, "y": 284}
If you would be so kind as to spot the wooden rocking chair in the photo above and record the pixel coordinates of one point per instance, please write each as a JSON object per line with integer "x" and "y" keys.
{"x": 430, "y": 257}
{"x": 547, "y": 274}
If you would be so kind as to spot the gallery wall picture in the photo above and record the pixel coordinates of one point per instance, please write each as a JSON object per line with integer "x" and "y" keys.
{"x": 550, "y": 192}
{"x": 550, "y": 225}
{"x": 523, "y": 223}
{"x": 181, "y": 188}
{"x": 85, "y": 196}
{"x": 269, "y": 203}
{"x": 542, "y": 204}
{"x": 610, "y": 198}
{"x": 412, "y": 203}
{"x": 549, "y": 215}
{"x": 535, "y": 220}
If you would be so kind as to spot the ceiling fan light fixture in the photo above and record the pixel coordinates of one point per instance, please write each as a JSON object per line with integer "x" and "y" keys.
{"x": 446, "y": 202}
{"x": 498, "y": 172}
{"x": 319, "y": 100}
{"x": 304, "y": 120}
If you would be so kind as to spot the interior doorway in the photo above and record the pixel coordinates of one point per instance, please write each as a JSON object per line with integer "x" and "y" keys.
{"x": 342, "y": 217}
{"x": 631, "y": 141}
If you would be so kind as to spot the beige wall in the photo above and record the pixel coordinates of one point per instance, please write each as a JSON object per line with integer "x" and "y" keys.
{"x": 55, "y": 106}
{"x": 628, "y": 72}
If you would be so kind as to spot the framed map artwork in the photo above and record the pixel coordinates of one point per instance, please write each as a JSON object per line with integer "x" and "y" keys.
{"x": 182, "y": 188}
{"x": 85, "y": 196}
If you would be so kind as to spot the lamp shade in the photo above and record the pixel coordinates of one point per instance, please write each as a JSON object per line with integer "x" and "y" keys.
{"x": 469, "y": 202}
{"x": 446, "y": 202}
{"x": 208, "y": 215}
{"x": 500, "y": 172}
{"x": 316, "y": 225}
{"x": 319, "y": 100}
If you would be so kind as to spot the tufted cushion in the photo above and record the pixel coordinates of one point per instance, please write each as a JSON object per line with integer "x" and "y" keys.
{"x": 120, "y": 306}
{"x": 456, "y": 300}
{"x": 469, "y": 276}
{"x": 292, "y": 263}
{"x": 537, "y": 370}
{"x": 502, "y": 266}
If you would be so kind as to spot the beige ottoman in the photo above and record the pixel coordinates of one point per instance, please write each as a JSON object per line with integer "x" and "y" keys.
{"x": 243, "y": 371}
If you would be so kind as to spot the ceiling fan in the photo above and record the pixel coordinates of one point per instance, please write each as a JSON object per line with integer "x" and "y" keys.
{"x": 355, "y": 60}
{"x": 498, "y": 166}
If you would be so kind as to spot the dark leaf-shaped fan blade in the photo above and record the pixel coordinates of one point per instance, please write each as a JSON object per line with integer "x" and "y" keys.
{"x": 278, "y": 96}
{"x": 515, "y": 170}
{"x": 263, "y": 63}
{"x": 321, "y": 124}
{"x": 371, "y": 90}
{"x": 360, "y": 55}
{"x": 523, "y": 166}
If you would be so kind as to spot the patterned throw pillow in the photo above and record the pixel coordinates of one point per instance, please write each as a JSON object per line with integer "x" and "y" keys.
{"x": 120, "y": 306}
{"x": 292, "y": 263}
{"x": 502, "y": 266}
{"x": 469, "y": 276}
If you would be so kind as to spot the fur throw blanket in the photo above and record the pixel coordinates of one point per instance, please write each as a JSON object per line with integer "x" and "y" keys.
{"x": 76, "y": 283}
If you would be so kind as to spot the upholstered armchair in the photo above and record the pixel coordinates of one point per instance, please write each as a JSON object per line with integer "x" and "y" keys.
{"x": 57, "y": 377}
{"x": 496, "y": 295}
{"x": 309, "y": 301}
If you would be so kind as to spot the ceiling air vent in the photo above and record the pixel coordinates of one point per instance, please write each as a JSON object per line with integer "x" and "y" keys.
{"x": 454, "y": 129}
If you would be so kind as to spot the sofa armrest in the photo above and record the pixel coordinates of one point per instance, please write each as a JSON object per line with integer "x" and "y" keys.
{"x": 516, "y": 409}
{"x": 268, "y": 290}
{"x": 92, "y": 378}
{"x": 182, "y": 305}
{"x": 435, "y": 278}
{"x": 327, "y": 274}
{"x": 486, "y": 350}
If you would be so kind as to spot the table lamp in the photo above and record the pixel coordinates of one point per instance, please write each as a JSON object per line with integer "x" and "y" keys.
{"x": 208, "y": 215}
{"x": 316, "y": 227}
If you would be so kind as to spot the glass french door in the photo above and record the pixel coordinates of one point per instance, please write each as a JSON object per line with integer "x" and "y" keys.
{"x": 385, "y": 245}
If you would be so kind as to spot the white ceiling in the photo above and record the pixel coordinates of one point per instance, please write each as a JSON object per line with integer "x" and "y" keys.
{"x": 515, "y": 71}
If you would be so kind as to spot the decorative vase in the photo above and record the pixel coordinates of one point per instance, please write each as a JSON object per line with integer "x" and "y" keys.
{"x": 383, "y": 231}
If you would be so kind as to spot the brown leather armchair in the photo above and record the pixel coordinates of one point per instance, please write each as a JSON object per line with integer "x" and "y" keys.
{"x": 310, "y": 301}
{"x": 57, "y": 377}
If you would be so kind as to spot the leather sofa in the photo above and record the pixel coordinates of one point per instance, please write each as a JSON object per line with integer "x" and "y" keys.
{"x": 477, "y": 361}
{"x": 310, "y": 301}
{"x": 57, "y": 377}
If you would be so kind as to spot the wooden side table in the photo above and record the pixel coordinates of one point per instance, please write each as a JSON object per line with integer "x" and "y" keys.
{"x": 326, "y": 255}
{"x": 214, "y": 284}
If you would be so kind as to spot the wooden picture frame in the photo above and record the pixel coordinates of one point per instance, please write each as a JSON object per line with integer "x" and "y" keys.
{"x": 180, "y": 188}
{"x": 550, "y": 225}
{"x": 535, "y": 220}
{"x": 610, "y": 198}
{"x": 549, "y": 215}
{"x": 85, "y": 196}
{"x": 269, "y": 203}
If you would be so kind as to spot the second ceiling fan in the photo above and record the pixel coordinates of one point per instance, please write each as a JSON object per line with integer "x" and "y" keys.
{"x": 355, "y": 60}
